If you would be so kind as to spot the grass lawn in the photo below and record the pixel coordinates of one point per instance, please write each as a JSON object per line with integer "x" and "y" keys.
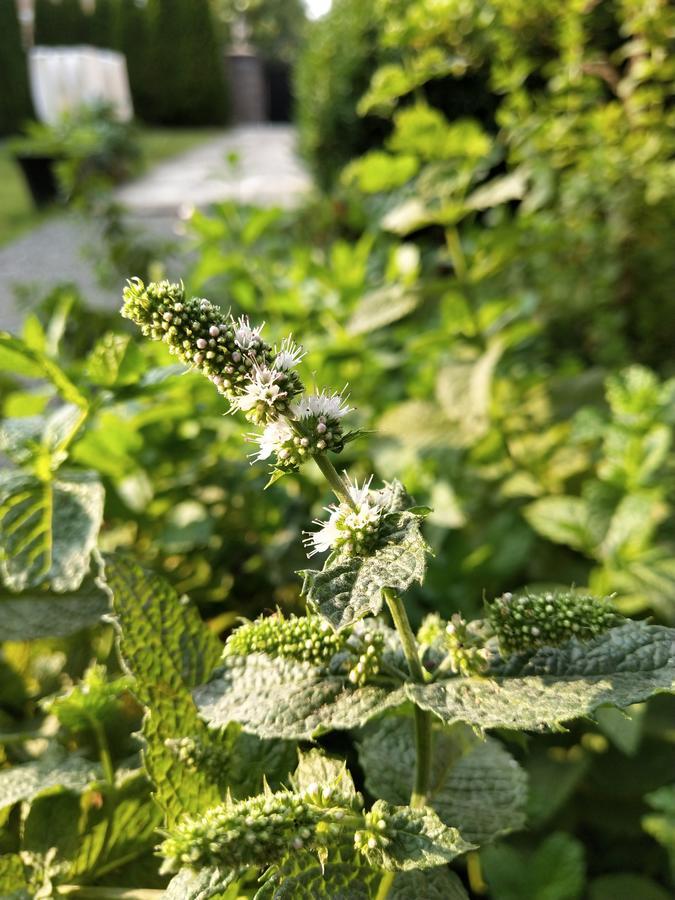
{"x": 17, "y": 213}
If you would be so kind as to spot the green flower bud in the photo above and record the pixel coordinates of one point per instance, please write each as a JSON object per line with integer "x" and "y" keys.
{"x": 465, "y": 646}
{"x": 548, "y": 620}
{"x": 258, "y": 830}
{"x": 212, "y": 759}
{"x": 371, "y": 840}
{"x": 311, "y": 639}
{"x": 197, "y": 332}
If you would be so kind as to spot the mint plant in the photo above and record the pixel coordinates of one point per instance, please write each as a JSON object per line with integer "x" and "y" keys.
{"x": 436, "y": 790}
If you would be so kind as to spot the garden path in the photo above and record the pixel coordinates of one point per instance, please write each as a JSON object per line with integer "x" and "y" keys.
{"x": 254, "y": 164}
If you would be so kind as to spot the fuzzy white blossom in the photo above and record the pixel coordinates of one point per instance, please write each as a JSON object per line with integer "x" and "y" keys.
{"x": 273, "y": 440}
{"x": 245, "y": 335}
{"x": 352, "y": 528}
{"x": 322, "y": 405}
{"x": 263, "y": 395}
{"x": 288, "y": 355}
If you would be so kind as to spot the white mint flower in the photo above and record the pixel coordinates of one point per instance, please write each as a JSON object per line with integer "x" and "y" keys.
{"x": 328, "y": 406}
{"x": 353, "y": 529}
{"x": 244, "y": 335}
{"x": 288, "y": 355}
{"x": 273, "y": 439}
{"x": 263, "y": 393}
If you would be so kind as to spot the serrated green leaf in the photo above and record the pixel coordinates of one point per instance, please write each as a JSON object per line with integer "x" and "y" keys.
{"x": 202, "y": 885}
{"x": 168, "y": 650}
{"x": 119, "y": 829}
{"x": 555, "y": 871}
{"x": 52, "y": 823}
{"x": 36, "y": 615}
{"x": 26, "y": 781}
{"x": 19, "y": 359}
{"x": 13, "y": 884}
{"x": 382, "y": 307}
{"x": 432, "y": 884}
{"x": 302, "y": 877}
{"x": 564, "y": 520}
{"x": 21, "y": 439}
{"x": 115, "y": 360}
{"x": 416, "y": 839}
{"x": 48, "y": 529}
{"x": 349, "y": 588}
{"x": 625, "y": 665}
{"x": 288, "y": 699}
{"x": 476, "y": 785}
{"x": 314, "y": 767}
{"x": 464, "y": 390}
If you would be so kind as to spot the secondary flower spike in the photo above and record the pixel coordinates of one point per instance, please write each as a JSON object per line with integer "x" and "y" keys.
{"x": 353, "y": 530}
{"x": 200, "y": 334}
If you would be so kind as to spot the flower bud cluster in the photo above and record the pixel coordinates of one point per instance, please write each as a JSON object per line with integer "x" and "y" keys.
{"x": 539, "y": 620}
{"x": 372, "y": 839}
{"x": 354, "y": 530}
{"x": 223, "y": 349}
{"x": 311, "y": 639}
{"x": 258, "y": 830}
{"x": 195, "y": 755}
{"x": 466, "y": 647}
{"x": 317, "y": 428}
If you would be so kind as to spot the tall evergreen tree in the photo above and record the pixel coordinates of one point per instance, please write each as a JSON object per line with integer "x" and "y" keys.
{"x": 61, "y": 23}
{"x": 131, "y": 36}
{"x": 187, "y": 79}
{"x": 15, "y": 105}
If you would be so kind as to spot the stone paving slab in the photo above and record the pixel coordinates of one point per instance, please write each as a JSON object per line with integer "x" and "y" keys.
{"x": 267, "y": 173}
{"x": 250, "y": 164}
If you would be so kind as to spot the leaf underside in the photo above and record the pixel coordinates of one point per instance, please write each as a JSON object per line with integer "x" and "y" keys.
{"x": 36, "y": 615}
{"x": 288, "y": 699}
{"x": 26, "y": 781}
{"x": 48, "y": 529}
{"x": 625, "y": 665}
{"x": 476, "y": 785}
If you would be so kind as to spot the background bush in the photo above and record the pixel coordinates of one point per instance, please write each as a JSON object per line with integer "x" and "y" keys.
{"x": 15, "y": 104}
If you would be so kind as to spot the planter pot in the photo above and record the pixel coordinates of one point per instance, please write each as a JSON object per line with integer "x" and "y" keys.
{"x": 40, "y": 178}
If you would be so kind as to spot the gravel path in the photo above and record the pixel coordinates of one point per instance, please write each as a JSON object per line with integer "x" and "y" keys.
{"x": 253, "y": 164}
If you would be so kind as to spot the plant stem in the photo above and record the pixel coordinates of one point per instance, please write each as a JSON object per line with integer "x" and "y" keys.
{"x": 422, "y": 717}
{"x": 331, "y": 475}
{"x": 385, "y": 885}
{"x": 103, "y": 751}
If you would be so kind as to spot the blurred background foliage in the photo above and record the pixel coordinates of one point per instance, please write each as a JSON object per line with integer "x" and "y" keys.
{"x": 489, "y": 267}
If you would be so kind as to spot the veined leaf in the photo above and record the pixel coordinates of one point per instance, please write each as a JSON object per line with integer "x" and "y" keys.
{"x": 302, "y": 877}
{"x": 555, "y": 870}
{"x": 349, "y": 588}
{"x": 430, "y": 884}
{"x": 119, "y": 830}
{"x": 288, "y": 699}
{"x": 26, "y": 781}
{"x": 48, "y": 529}
{"x": 417, "y": 839}
{"x": 24, "y": 438}
{"x": 314, "y": 767}
{"x": 115, "y": 360}
{"x": 625, "y": 665}
{"x": 19, "y": 359}
{"x": 36, "y": 614}
{"x": 476, "y": 785}
{"x": 202, "y": 885}
{"x": 382, "y": 307}
{"x": 564, "y": 520}
{"x": 168, "y": 650}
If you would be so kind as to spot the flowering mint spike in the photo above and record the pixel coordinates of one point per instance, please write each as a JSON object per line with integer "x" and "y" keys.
{"x": 531, "y": 621}
{"x": 260, "y": 830}
{"x": 288, "y": 355}
{"x": 320, "y": 419}
{"x": 267, "y": 394}
{"x": 353, "y": 530}
{"x": 197, "y": 332}
{"x": 311, "y": 639}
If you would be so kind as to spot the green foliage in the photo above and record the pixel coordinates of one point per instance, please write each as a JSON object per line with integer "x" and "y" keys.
{"x": 186, "y": 70}
{"x": 554, "y": 872}
{"x": 343, "y": 44}
{"x": 15, "y": 104}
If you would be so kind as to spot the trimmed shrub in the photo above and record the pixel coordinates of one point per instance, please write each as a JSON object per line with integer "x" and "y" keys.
{"x": 15, "y": 105}
{"x": 186, "y": 80}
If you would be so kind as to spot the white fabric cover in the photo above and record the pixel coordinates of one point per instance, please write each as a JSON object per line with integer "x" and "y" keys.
{"x": 64, "y": 78}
